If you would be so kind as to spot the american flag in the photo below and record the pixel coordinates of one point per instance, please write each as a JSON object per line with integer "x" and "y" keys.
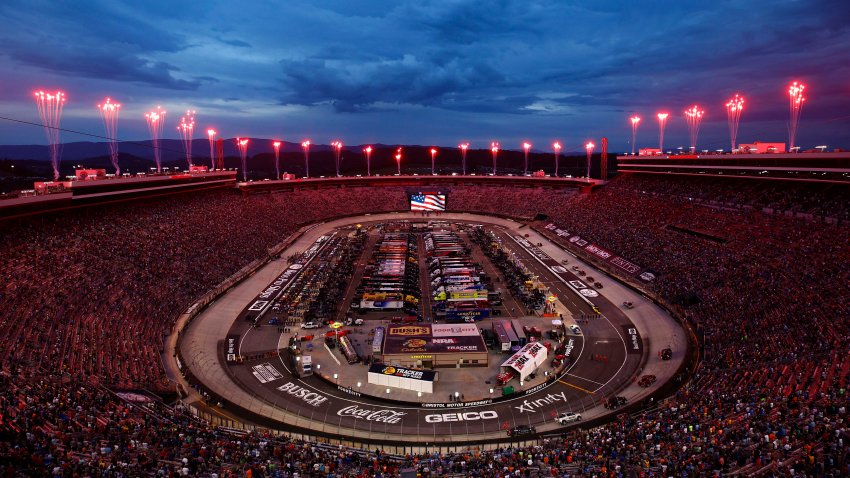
{"x": 427, "y": 202}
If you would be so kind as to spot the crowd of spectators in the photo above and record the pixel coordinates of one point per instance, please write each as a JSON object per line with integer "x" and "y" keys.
{"x": 90, "y": 294}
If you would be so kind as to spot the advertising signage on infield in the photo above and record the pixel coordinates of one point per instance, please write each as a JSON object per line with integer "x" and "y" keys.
{"x": 426, "y": 375}
{"x": 433, "y": 339}
{"x": 427, "y": 202}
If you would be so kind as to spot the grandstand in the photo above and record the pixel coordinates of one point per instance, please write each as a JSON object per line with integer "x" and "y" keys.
{"x": 757, "y": 267}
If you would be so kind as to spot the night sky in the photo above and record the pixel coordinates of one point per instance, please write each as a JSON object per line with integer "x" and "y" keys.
{"x": 419, "y": 72}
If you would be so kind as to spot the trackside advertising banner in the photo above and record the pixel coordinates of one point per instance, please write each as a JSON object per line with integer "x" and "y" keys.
{"x": 621, "y": 263}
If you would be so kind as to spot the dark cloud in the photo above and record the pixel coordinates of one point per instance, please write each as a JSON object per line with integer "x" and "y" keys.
{"x": 236, "y": 43}
{"x": 502, "y": 67}
{"x": 366, "y": 85}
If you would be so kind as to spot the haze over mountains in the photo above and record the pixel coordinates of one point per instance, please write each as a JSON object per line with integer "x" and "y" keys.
{"x": 172, "y": 149}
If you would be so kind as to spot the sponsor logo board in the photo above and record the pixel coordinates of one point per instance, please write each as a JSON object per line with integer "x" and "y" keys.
{"x": 310, "y": 397}
{"x": 370, "y": 415}
{"x": 266, "y": 373}
{"x": 461, "y": 416}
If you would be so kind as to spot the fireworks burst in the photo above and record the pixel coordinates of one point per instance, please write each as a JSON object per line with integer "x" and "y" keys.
{"x": 276, "y": 146}
{"x": 155, "y": 120}
{"x": 50, "y": 110}
{"x": 463, "y": 147}
{"x": 368, "y": 151}
{"x": 635, "y": 122}
{"x": 694, "y": 118}
{"x": 733, "y": 116}
{"x": 305, "y": 145}
{"x": 186, "y": 128}
{"x": 557, "y": 147}
{"x": 211, "y": 135}
{"x": 589, "y": 148}
{"x": 796, "y": 100}
{"x": 494, "y": 148}
{"x": 242, "y": 144}
{"x": 109, "y": 113}
{"x": 662, "y": 123}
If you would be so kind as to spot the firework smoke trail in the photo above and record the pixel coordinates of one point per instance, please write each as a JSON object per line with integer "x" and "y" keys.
{"x": 463, "y": 147}
{"x": 589, "y": 148}
{"x": 276, "y": 145}
{"x": 694, "y": 118}
{"x": 211, "y": 135}
{"x": 557, "y": 147}
{"x": 306, "y": 147}
{"x": 796, "y": 100}
{"x": 50, "y": 111}
{"x": 733, "y": 117}
{"x": 109, "y": 113}
{"x": 242, "y": 144}
{"x": 662, "y": 123}
{"x": 635, "y": 122}
{"x": 494, "y": 148}
{"x": 368, "y": 151}
{"x": 155, "y": 120}
{"x": 398, "y": 160}
{"x": 186, "y": 128}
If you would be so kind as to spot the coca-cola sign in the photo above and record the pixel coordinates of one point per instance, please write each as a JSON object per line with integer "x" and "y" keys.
{"x": 381, "y": 415}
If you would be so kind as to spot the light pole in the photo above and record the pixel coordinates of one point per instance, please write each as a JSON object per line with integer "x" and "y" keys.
{"x": 589, "y": 147}
{"x": 526, "y": 146}
{"x": 306, "y": 147}
{"x": 463, "y": 147}
{"x": 433, "y": 158}
{"x": 368, "y": 151}
{"x": 276, "y": 145}
{"x": 557, "y": 147}
{"x": 494, "y": 148}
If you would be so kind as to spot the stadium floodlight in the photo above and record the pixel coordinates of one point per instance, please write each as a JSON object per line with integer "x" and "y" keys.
{"x": 368, "y": 151}
{"x": 557, "y": 147}
{"x": 305, "y": 145}
{"x": 589, "y": 148}
{"x": 494, "y": 148}
{"x": 463, "y": 147}
{"x": 276, "y": 146}
{"x": 211, "y": 135}
{"x": 526, "y": 146}
{"x": 433, "y": 158}
{"x": 635, "y": 120}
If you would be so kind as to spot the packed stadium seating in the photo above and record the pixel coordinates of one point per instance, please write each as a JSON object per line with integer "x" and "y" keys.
{"x": 86, "y": 297}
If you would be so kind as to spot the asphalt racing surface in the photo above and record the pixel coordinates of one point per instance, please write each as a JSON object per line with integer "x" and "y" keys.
{"x": 270, "y": 389}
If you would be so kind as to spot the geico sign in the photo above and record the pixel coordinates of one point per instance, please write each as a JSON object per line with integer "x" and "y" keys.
{"x": 461, "y": 417}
